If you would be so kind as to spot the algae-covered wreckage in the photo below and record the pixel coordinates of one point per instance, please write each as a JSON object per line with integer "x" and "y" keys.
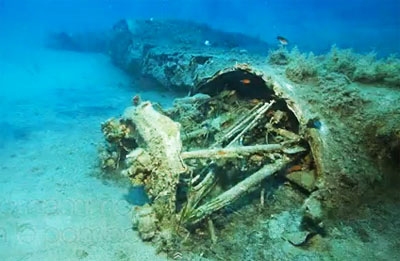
{"x": 275, "y": 151}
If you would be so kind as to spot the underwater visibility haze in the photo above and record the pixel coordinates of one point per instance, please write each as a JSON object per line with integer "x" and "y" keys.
{"x": 199, "y": 130}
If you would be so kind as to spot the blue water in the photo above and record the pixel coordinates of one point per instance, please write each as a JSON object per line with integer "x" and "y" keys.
{"x": 312, "y": 25}
{"x": 52, "y": 103}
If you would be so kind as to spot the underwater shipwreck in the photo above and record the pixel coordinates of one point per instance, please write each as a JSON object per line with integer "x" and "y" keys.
{"x": 267, "y": 145}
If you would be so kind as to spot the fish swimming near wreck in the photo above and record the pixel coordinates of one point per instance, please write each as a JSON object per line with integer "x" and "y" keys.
{"x": 282, "y": 40}
{"x": 245, "y": 81}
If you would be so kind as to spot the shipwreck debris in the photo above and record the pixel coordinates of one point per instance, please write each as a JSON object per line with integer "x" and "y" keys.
{"x": 338, "y": 139}
{"x": 208, "y": 151}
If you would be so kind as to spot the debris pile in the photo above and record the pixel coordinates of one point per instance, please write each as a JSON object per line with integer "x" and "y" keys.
{"x": 206, "y": 152}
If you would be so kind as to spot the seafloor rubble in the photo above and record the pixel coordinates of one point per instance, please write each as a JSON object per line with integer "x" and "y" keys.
{"x": 269, "y": 154}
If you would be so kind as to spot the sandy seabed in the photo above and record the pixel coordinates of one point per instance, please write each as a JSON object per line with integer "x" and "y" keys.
{"x": 51, "y": 206}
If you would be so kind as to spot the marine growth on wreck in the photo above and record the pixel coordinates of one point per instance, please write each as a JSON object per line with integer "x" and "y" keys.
{"x": 207, "y": 152}
{"x": 280, "y": 140}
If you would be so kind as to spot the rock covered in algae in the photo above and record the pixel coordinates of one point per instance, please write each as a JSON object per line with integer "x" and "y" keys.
{"x": 145, "y": 221}
{"x": 305, "y": 179}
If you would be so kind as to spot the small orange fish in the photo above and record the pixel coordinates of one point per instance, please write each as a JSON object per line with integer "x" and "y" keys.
{"x": 282, "y": 40}
{"x": 294, "y": 168}
{"x": 245, "y": 81}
